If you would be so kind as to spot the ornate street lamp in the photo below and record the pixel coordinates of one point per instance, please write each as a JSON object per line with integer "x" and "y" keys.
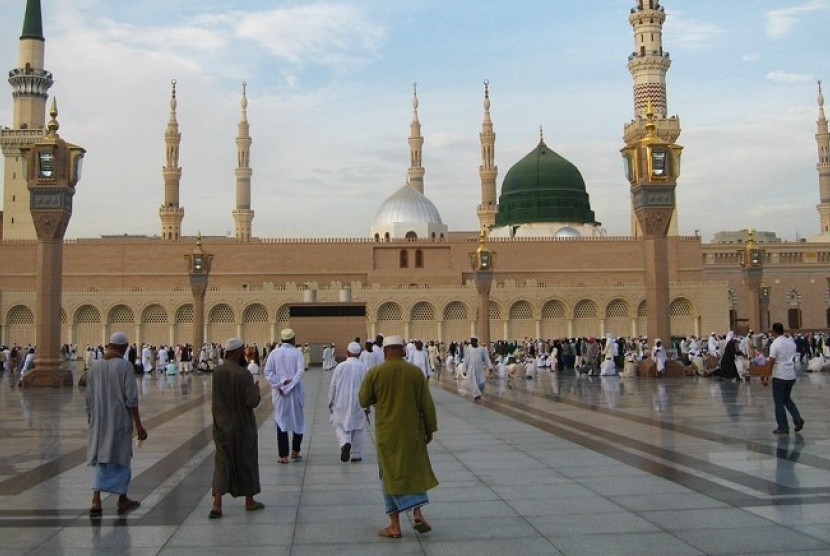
{"x": 52, "y": 168}
{"x": 751, "y": 260}
{"x": 198, "y": 268}
{"x": 482, "y": 260}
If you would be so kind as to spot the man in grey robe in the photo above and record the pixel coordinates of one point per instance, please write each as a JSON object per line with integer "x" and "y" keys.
{"x": 236, "y": 462}
{"x": 112, "y": 408}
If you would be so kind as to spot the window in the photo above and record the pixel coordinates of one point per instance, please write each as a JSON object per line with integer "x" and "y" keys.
{"x": 404, "y": 258}
{"x": 419, "y": 259}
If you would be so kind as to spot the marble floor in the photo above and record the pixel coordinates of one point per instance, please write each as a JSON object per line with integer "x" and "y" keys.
{"x": 556, "y": 465}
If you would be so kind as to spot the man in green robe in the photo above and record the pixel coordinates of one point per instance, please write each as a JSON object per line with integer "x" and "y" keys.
{"x": 404, "y": 423}
{"x": 236, "y": 463}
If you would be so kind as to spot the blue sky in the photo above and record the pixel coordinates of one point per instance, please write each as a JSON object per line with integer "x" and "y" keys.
{"x": 330, "y": 86}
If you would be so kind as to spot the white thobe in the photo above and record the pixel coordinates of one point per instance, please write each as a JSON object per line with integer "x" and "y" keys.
{"x": 420, "y": 359}
{"x": 162, "y": 358}
{"x": 347, "y": 416}
{"x": 658, "y": 354}
{"x": 326, "y": 357}
{"x": 367, "y": 358}
{"x": 476, "y": 361}
{"x": 378, "y": 352}
{"x": 146, "y": 360}
{"x": 284, "y": 371}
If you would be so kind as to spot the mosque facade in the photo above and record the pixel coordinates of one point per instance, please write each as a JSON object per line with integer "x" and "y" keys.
{"x": 557, "y": 273}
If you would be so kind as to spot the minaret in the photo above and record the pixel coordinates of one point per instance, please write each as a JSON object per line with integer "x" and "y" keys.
{"x": 648, "y": 65}
{"x": 415, "y": 174}
{"x": 171, "y": 213}
{"x": 243, "y": 215}
{"x": 30, "y": 85}
{"x": 823, "y": 166}
{"x": 488, "y": 170}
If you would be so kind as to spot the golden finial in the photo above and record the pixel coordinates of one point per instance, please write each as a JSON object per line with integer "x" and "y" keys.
{"x": 651, "y": 127}
{"x": 53, "y": 123}
{"x": 199, "y": 242}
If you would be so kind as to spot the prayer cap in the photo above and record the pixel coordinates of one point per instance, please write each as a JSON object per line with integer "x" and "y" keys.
{"x": 233, "y": 344}
{"x": 286, "y": 334}
{"x": 474, "y": 337}
{"x": 119, "y": 339}
{"x": 354, "y": 348}
{"x": 392, "y": 341}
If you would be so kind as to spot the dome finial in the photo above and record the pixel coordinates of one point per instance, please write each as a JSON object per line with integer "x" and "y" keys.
{"x": 53, "y": 123}
{"x": 487, "y": 95}
{"x": 173, "y": 102}
{"x": 541, "y": 135}
{"x": 820, "y": 95}
{"x": 244, "y": 95}
{"x": 415, "y": 103}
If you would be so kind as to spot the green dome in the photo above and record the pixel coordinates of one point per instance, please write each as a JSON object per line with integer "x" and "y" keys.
{"x": 543, "y": 187}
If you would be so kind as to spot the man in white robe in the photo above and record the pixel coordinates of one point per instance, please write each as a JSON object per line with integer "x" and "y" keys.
{"x": 377, "y": 349}
{"x": 347, "y": 416}
{"x": 284, "y": 371}
{"x": 162, "y": 359}
{"x": 476, "y": 361}
{"x": 326, "y": 355}
{"x": 420, "y": 358}
{"x": 367, "y": 357}
{"x": 146, "y": 359}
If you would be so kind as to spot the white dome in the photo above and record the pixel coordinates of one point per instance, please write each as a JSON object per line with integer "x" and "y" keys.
{"x": 567, "y": 231}
{"x": 408, "y": 206}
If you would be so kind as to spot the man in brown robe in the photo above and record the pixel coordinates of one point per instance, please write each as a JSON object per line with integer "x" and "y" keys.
{"x": 236, "y": 463}
{"x": 405, "y": 421}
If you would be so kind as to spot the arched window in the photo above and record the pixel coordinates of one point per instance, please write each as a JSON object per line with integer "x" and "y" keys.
{"x": 411, "y": 236}
{"x": 404, "y": 258}
{"x": 386, "y": 236}
{"x": 419, "y": 259}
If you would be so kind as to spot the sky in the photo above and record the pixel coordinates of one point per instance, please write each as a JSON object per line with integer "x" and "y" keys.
{"x": 330, "y": 90}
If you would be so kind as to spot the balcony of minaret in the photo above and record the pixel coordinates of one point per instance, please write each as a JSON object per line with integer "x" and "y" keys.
{"x": 668, "y": 129}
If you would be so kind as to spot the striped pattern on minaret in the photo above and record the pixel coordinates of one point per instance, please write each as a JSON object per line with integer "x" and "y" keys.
{"x": 415, "y": 174}
{"x": 170, "y": 213}
{"x": 823, "y": 165}
{"x": 488, "y": 171}
{"x": 243, "y": 215}
{"x": 648, "y": 64}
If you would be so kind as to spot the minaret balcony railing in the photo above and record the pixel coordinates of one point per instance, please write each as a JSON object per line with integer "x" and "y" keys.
{"x": 30, "y": 83}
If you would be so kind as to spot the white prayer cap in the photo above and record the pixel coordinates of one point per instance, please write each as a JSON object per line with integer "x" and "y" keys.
{"x": 474, "y": 337}
{"x": 354, "y": 348}
{"x": 119, "y": 339}
{"x": 233, "y": 344}
{"x": 392, "y": 341}
{"x": 286, "y": 334}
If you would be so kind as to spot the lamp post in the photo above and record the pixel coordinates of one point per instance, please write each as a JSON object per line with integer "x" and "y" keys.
{"x": 652, "y": 166}
{"x": 198, "y": 267}
{"x": 751, "y": 259}
{"x": 482, "y": 262}
{"x": 765, "y": 324}
{"x": 52, "y": 168}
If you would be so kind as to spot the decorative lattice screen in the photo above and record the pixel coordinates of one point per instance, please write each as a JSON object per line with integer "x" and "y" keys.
{"x": 121, "y": 314}
{"x": 617, "y": 308}
{"x": 222, "y": 313}
{"x": 455, "y": 311}
{"x": 154, "y": 314}
{"x": 521, "y": 310}
{"x": 20, "y": 314}
{"x": 390, "y": 311}
{"x": 642, "y": 309}
{"x": 184, "y": 314}
{"x": 255, "y": 313}
{"x": 423, "y": 311}
{"x": 585, "y": 309}
{"x": 680, "y": 307}
{"x": 553, "y": 310}
{"x": 87, "y": 315}
{"x": 494, "y": 310}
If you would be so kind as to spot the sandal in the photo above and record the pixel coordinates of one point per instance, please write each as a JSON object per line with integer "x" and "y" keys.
{"x": 215, "y": 514}
{"x": 387, "y": 534}
{"x": 255, "y": 506}
{"x": 282, "y": 460}
{"x": 96, "y": 511}
{"x": 422, "y": 526}
{"x": 128, "y": 506}
{"x": 296, "y": 456}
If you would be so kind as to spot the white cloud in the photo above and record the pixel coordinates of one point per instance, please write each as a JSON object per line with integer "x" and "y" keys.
{"x": 780, "y": 23}
{"x": 690, "y": 33}
{"x": 755, "y": 56}
{"x": 784, "y": 77}
{"x": 326, "y": 33}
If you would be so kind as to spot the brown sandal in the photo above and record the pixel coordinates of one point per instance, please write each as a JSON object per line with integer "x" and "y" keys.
{"x": 387, "y": 534}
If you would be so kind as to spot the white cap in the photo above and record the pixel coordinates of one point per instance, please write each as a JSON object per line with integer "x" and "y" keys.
{"x": 286, "y": 334}
{"x": 392, "y": 341}
{"x": 233, "y": 343}
{"x": 119, "y": 339}
{"x": 354, "y": 348}
{"x": 474, "y": 337}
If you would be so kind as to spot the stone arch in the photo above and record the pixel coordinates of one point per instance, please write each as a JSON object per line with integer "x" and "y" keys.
{"x": 283, "y": 314}
{"x": 88, "y": 326}
{"x": 183, "y": 322}
{"x": 256, "y": 328}
{"x": 221, "y": 323}
{"x": 121, "y": 314}
{"x": 521, "y": 323}
{"x": 456, "y": 321}
{"x": 20, "y": 326}
{"x": 682, "y": 315}
{"x": 618, "y": 317}
{"x": 390, "y": 319}
{"x": 585, "y": 319}
{"x": 554, "y": 323}
{"x": 423, "y": 324}
{"x": 155, "y": 325}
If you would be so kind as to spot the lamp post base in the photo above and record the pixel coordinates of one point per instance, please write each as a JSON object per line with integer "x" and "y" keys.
{"x": 45, "y": 374}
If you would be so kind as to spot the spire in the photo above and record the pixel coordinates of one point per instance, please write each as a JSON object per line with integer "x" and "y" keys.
{"x": 243, "y": 215}
{"x": 33, "y": 22}
{"x": 823, "y": 165}
{"x": 415, "y": 174}
{"x": 541, "y": 135}
{"x": 488, "y": 171}
{"x": 53, "y": 125}
{"x": 171, "y": 213}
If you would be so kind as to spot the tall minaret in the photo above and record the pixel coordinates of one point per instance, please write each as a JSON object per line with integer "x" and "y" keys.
{"x": 415, "y": 174}
{"x": 243, "y": 215}
{"x": 171, "y": 213}
{"x": 823, "y": 166}
{"x": 488, "y": 170}
{"x": 30, "y": 85}
{"x": 648, "y": 65}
